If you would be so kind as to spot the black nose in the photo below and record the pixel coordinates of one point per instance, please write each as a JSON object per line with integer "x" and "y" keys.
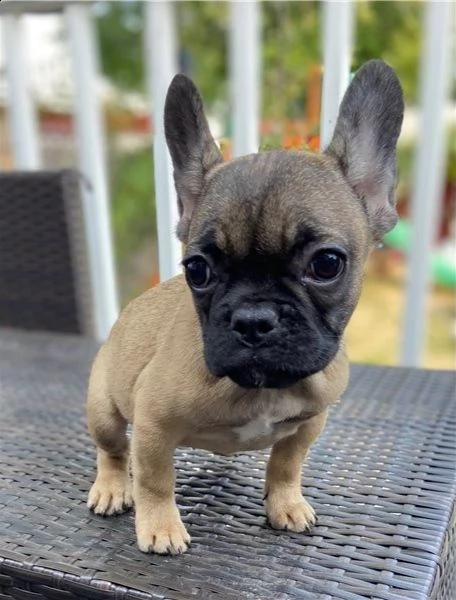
{"x": 254, "y": 324}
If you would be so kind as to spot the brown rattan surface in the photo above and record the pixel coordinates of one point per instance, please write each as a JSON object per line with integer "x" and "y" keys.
{"x": 381, "y": 477}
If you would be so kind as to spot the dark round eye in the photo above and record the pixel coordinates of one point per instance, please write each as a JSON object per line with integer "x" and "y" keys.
{"x": 326, "y": 265}
{"x": 198, "y": 272}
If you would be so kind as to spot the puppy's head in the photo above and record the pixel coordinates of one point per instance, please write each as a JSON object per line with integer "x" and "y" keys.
{"x": 276, "y": 241}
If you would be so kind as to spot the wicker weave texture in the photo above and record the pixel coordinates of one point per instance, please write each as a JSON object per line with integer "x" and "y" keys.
{"x": 44, "y": 282}
{"x": 382, "y": 478}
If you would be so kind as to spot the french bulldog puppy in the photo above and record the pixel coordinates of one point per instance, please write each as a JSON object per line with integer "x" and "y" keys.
{"x": 245, "y": 350}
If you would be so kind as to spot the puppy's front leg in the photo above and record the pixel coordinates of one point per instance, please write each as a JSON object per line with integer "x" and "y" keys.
{"x": 159, "y": 527}
{"x": 286, "y": 507}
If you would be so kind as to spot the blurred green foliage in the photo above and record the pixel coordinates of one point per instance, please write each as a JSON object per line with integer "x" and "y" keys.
{"x": 451, "y": 160}
{"x": 202, "y": 34}
{"x": 133, "y": 206}
{"x": 392, "y": 31}
{"x": 406, "y": 156}
{"x": 120, "y": 39}
{"x": 291, "y": 44}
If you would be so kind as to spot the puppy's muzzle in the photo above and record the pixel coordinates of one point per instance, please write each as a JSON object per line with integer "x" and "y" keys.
{"x": 255, "y": 324}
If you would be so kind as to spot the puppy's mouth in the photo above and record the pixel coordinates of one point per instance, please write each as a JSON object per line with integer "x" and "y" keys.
{"x": 249, "y": 370}
{"x": 251, "y": 377}
{"x": 276, "y": 366}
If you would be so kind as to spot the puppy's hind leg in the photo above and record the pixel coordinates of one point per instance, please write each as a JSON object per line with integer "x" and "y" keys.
{"x": 111, "y": 492}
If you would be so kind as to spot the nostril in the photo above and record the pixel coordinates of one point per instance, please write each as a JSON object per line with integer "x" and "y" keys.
{"x": 265, "y": 326}
{"x": 241, "y": 327}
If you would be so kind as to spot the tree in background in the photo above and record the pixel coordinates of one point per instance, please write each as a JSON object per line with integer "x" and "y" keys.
{"x": 392, "y": 31}
{"x": 291, "y": 36}
{"x": 120, "y": 38}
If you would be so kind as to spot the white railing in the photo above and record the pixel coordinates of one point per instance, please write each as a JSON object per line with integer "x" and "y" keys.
{"x": 337, "y": 53}
{"x": 244, "y": 54}
{"x": 21, "y": 110}
{"x": 428, "y": 175}
{"x": 92, "y": 162}
{"x": 161, "y": 60}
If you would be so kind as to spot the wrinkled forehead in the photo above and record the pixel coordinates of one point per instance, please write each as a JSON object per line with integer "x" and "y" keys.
{"x": 268, "y": 203}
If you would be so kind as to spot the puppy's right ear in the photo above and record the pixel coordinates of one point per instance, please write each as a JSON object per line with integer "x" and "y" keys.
{"x": 193, "y": 149}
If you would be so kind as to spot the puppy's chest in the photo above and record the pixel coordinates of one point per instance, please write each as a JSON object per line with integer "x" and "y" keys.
{"x": 262, "y": 428}
{"x": 264, "y": 425}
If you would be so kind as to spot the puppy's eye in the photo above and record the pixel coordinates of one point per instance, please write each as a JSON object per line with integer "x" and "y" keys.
{"x": 198, "y": 272}
{"x": 326, "y": 265}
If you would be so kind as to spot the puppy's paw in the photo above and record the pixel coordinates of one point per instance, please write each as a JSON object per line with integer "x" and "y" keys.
{"x": 110, "y": 496}
{"x": 291, "y": 512}
{"x": 162, "y": 532}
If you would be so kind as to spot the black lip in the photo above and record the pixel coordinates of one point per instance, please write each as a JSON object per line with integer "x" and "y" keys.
{"x": 254, "y": 379}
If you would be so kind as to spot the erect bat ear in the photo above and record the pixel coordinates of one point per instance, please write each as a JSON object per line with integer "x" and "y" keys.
{"x": 193, "y": 149}
{"x": 365, "y": 139}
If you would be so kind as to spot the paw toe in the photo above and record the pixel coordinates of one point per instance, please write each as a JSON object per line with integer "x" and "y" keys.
{"x": 292, "y": 516}
{"x": 165, "y": 542}
{"x": 107, "y": 500}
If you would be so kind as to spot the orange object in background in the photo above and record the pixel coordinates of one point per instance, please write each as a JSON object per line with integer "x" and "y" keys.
{"x": 293, "y": 142}
{"x": 313, "y": 143}
{"x": 155, "y": 277}
{"x": 154, "y": 280}
{"x": 314, "y": 96}
{"x": 226, "y": 148}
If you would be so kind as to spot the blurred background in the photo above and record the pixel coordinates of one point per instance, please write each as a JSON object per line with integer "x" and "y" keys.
{"x": 290, "y": 94}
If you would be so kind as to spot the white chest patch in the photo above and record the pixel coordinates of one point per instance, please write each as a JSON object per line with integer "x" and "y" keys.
{"x": 276, "y": 416}
{"x": 257, "y": 428}
{"x": 267, "y": 423}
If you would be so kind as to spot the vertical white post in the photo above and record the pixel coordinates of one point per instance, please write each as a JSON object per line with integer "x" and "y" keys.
{"x": 91, "y": 148}
{"x": 245, "y": 75}
{"x": 22, "y": 113}
{"x": 337, "y": 50}
{"x": 428, "y": 175}
{"x": 161, "y": 65}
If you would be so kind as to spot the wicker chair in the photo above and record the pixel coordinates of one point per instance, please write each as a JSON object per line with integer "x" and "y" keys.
{"x": 44, "y": 281}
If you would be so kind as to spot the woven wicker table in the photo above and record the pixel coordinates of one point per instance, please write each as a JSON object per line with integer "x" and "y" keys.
{"x": 382, "y": 478}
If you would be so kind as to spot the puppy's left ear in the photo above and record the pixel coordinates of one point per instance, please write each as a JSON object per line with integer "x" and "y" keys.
{"x": 365, "y": 138}
{"x": 191, "y": 145}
